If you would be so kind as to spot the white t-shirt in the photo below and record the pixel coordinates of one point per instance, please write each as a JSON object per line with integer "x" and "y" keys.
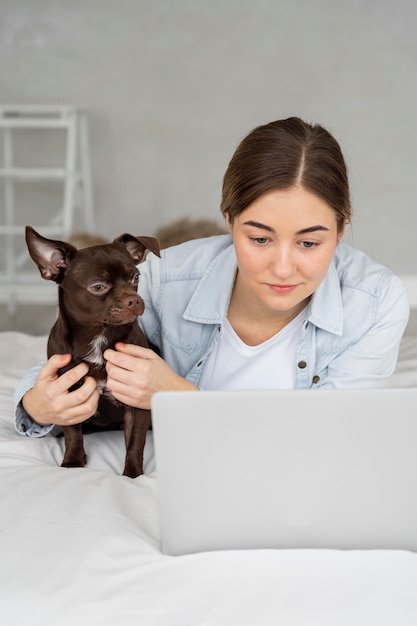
{"x": 270, "y": 365}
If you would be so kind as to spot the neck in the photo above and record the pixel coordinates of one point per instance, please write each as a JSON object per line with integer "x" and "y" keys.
{"x": 255, "y": 323}
{"x": 86, "y": 342}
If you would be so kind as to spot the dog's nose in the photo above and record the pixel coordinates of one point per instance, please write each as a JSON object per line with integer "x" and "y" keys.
{"x": 134, "y": 304}
{"x": 133, "y": 301}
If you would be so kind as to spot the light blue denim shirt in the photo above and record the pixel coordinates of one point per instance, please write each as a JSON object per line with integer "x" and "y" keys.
{"x": 350, "y": 338}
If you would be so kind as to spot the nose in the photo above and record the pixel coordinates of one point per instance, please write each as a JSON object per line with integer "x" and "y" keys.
{"x": 133, "y": 304}
{"x": 132, "y": 301}
{"x": 282, "y": 264}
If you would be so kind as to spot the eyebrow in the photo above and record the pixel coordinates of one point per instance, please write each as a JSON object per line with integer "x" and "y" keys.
{"x": 303, "y": 231}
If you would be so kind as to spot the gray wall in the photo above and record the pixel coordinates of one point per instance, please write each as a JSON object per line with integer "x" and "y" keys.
{"x": 172, "y": 86}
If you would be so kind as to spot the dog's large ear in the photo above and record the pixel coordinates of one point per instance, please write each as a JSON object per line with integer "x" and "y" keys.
{"x": 137, "y": 246}
{"x": 52, "y": 257}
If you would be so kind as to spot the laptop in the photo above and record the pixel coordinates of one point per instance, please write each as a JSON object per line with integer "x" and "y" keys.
{"x": 286, "y": 469}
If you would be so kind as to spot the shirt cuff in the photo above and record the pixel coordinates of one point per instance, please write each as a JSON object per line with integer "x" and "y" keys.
{"x": 26, "y": 426}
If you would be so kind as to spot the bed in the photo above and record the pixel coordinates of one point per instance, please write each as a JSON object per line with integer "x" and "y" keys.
{"x": 81, "y": 546}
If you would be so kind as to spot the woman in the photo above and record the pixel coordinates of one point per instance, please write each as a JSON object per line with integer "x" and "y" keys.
{"x": 280, "y": 303}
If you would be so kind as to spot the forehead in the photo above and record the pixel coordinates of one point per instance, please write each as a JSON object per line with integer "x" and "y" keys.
{"x": 295, "y": 207}
{"x": 102, "y": 261}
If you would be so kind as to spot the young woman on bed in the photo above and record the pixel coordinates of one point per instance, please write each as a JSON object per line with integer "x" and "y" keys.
{"x": 280, "y": 303}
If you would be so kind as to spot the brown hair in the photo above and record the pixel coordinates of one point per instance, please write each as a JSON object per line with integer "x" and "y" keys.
{"x": 284, "y": 154}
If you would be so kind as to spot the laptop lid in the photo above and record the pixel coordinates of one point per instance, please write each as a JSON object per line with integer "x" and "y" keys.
{"x": 286, "y": 469}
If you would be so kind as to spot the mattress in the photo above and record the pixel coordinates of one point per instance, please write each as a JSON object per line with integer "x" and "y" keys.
{"x": 82, "y": 546}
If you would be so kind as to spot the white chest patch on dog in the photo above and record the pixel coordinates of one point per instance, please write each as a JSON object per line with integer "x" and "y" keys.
{"x": 101, "y": 388}
{"x": 97, "y": 347}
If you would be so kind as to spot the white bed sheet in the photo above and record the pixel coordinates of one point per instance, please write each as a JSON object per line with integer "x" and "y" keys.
{"x": 81, "y": 546}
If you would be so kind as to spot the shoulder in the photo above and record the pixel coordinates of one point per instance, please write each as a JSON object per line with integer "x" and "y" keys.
{"x": 357, "y": 271}
{"x": 363, "y": 294}
{"x": 192, "y": 258}
{"x": 372, "y": 295}
{"x": 186, "y": 262}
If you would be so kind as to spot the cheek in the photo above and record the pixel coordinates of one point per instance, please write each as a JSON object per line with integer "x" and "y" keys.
{"x": 86, "y": 307}
{"x": 316, "y": 265}
{"x": 248, "y": 262}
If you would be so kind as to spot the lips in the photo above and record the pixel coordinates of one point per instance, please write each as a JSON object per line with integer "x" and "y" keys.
{"x": 282, "y": 288}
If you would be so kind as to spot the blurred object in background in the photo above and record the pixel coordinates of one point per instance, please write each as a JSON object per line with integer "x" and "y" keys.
{"x": 185, "y": 229}
{"x": 85, "y": 240}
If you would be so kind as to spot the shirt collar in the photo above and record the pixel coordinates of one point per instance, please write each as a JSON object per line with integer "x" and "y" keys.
{"x": 325, "y": 316}
{"x": 209, "y": 303}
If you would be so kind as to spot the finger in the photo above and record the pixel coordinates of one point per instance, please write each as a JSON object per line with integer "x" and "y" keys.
{"x": 83, "y": 393}
{"x": 136, "y": 351}
{"x": 54, "y": 363}
{"x": 71, "y": 377}
{"x": 122, "y": 362}
{"x": 78, "y": 414}
{"x": 86, "y": 409}
{"x": 79, "y": 405}
{"x": 132, "y": 374}
{"x": 128, "y": 400}
{"x": 130, "y": 396}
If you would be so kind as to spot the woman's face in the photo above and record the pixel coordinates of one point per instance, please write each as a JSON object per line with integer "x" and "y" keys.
{"x": 284, "y": 244}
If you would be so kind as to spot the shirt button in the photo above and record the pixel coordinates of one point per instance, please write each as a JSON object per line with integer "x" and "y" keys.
{"x": 199, "y": 363}
{"x": 316, "y": 379}
{"x": 302, "y": 365}
{"x": 23, "y": 428}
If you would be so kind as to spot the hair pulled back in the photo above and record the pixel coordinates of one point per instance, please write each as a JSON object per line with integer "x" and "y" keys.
{"x": 284, "y": 154}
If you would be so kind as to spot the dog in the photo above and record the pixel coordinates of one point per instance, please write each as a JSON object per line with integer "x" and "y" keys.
{"x": 98, "y": 306}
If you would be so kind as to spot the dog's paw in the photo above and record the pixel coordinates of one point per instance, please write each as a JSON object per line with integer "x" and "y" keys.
{"x": 74, "y": 462}
{"x": 132, "y": 470}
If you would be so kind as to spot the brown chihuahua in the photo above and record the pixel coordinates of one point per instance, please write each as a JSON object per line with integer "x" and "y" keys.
{"x": 98, "y": 306}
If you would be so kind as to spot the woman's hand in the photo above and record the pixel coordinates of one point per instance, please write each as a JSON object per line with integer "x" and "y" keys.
{"x": 51, "y": 402}
{"x": 135, "y": 373}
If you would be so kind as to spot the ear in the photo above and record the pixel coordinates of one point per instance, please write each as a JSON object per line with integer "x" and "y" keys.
{"x": 136, "y": 246}
{"x": 228, "y": 222}
{"x": 52, "y": 257}
{"x": 341, "y": 232}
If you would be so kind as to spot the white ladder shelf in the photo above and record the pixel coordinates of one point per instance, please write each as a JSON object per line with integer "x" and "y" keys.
{"x": 17, "y": 285}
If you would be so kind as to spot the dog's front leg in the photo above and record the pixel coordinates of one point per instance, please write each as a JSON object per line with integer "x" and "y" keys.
{"x": 74, "y": 447}
{"x": 136, "y": 425}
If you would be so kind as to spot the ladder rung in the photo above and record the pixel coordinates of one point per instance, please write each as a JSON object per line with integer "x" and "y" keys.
{"x": 36, "y": 122}
{"x": 37, "y": 109}
{"x": 33, "y": 173}
{"x": 23, "y": 277}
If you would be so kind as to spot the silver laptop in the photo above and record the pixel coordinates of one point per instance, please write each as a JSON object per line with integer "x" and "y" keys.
{"x": 286, "y": 469}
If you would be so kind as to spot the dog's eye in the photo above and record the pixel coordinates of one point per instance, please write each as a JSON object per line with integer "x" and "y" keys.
{"x": 98, "y": 288}
{"x": 135, "y": 279}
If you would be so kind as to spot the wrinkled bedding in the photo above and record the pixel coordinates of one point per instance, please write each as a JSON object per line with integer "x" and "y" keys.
{"x": 81, "y": 546}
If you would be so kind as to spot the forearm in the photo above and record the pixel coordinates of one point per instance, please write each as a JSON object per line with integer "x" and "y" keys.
{"x": 24, "y": 423}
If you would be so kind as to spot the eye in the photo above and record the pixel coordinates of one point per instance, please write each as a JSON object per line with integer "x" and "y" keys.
{"x": 98, "y": 288}
{"x": 260, "y": 241}
{"x": 308, "y": 244}
{"x": 135, "y": 279}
